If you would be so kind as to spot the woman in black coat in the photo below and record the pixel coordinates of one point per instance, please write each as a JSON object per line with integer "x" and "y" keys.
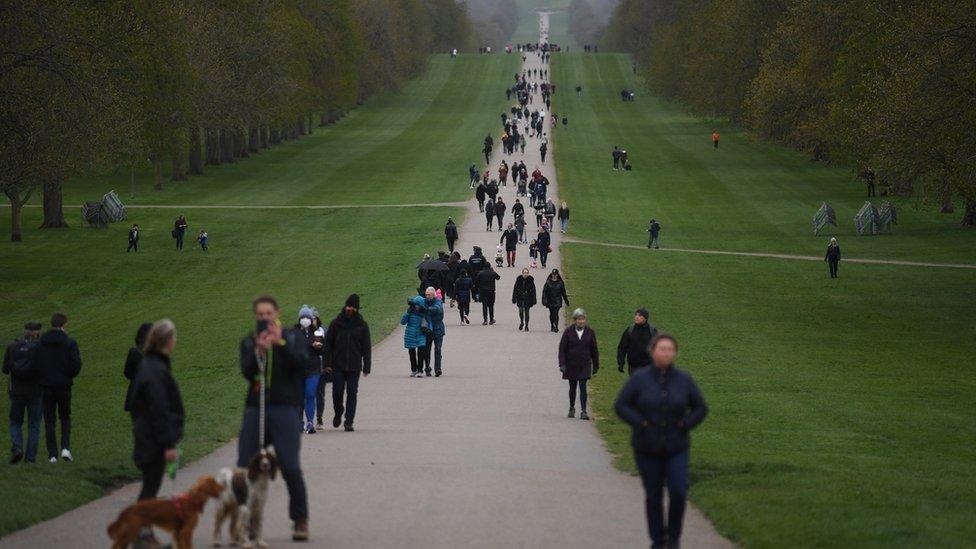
{"x": 662, "y": 405}
{"x": 553, "y": 297}
{"x": 490, "y": 212}
{"x": 157, "y": 409}
{"x": 833, "y": 257}
{"x": 523, "y": 296}
{"x": 579, "y": 359}
{"x": 451, "y": 234}
{"x": 132, "y": 361}
{"x": 544, "y": 242}
{"x": 462, "y": 293}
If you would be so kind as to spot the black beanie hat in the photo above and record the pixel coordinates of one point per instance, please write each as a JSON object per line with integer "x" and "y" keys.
{"x": 643, "y": 312}
{"x": 353, "y": 301}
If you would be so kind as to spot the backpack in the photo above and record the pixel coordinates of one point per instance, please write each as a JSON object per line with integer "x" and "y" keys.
{"x": 22, "y": 363}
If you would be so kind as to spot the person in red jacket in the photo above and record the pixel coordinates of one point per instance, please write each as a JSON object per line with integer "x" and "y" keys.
{"x": 715, "y": 138}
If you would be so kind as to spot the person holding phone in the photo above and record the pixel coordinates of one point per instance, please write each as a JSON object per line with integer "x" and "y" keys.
{"x": 278, "y": 359}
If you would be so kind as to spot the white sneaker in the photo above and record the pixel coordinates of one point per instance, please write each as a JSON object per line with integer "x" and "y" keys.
{"x": 66, "y": 455}
{"x": 53, "y": 460}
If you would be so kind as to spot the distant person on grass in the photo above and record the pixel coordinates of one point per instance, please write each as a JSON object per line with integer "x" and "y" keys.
{"x": 662, "y": 405}
{"x": 715, "y": 139}
{"x": 563, "y": 218}
{"x": 634, "y": 346}
{"x": 833, "y": 257}
{"x": 179, "y": 231}
{"x": 204, "y": 239}
{"x": 133, "y": 239}
{"x": 58, "y": 362}
{"x": 276, "y": 358}
{"x": 579, "y": 360}
{"x": 132, "y": 360}
{"x": 25, "y": 394}
{"x": 553, "y": 297}
{"x": 348, "y": 353}
{"x": 654, "y": 230}
{"x": 615, "y": 154}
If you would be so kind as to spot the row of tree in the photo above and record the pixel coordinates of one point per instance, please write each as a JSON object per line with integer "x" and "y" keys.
{"x": 189, "y": 83}
{"x": 880, "y": 84}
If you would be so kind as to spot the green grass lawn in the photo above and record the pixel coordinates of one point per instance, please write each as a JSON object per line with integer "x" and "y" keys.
{"x": 409, "y": 147}
{"x": 841, "y": 410}
{"x": 749, "y": 195}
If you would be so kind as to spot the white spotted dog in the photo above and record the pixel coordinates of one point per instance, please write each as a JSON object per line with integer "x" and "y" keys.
{"x": 243, "y": 500}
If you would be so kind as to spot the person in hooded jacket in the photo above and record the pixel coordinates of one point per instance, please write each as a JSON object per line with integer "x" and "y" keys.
{"x": 318, "y": 335}
{"x": 500, "y": 208}
{"x": 634, "y": 345}
{"x": 25, "y": 394}
{"x": 157, "y": 409}
{"x": 484, "y": 283}
{"x": 58, "y": 362}
{"x": 348, "y": 353}
{"x": 579, "y": 359}
{"x": 313, "y": 370}
{"x": 451, "y": 234}
{"x": 479, "y": 195}
{"x": 662, "y": 405}
{"x": 462, "y": 293}
{"x": 132, "y": 360}
{"x": 553, "y": 297}
{"x": 416, "y": 321}
{"x": 544, "y": 242}
{"x": 476, "y": 262}
{"x": 524, "y": 297}
{"x": 489, "y": 213}
{"x": 435, "y": 338}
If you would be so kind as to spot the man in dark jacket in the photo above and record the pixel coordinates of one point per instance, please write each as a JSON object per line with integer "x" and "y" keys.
{"x": 347, "y": 354}
{"x": 484, "y": 283}
{"x": 476, "y": 262}
{"x": 279, "y": 358}
{"x": 58, "y": 362}
{"x": 634, "y": 343}
{"x": 133, "y": 239}
{"x": 510, "y": 239}
{"x": 25, "y": 394}
{"x": 451, "y": 234}
{"x": 479, "y": 194}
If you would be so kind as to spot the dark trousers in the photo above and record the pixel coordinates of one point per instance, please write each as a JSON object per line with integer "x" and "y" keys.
{"x": 542, "y": 256}
{"x": 499, "y": 217}
{"x": 152, "y": 478}
{"x": 179, "y": 239}
{"x": 510, "y": 257}
{"x": 554, "y": 317}
{"x": 573, "y": 383}
{"x": 716, "y": 143}
{"x": 320, "y": 396}
{"x": 654, "y": 470}
{"x": 489, "y": 219}
{"x": 133, "y": 246}
{"x": 433, "y": 344}
{"x": 282, "y": 430}
{"x": 32, "y": 408}
{"x": 416, "y": 355}
{"x": 481, "y": 205}
{"x": 833, "y": 268}
{"x": 57, "y": 405}
{"x": 450, "y": 245}
{"x": 488, "y": 306}
{"x": 523, "y": 316}
{"x": 345, "y": 384}
{"x": 464, "y": 307}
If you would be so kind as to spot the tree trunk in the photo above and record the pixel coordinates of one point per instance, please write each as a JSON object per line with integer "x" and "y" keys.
{"x": 946, "y": 196}
{"x": 15, "y": 208}
{"x": 157, "y": 174}
{"x": 300, "y": 127}
{"x": 969, "y": 218}
{"x": 309, "y": 124}
{"x": 265, "y": 137}
{"x": 226, "y": 146}
{"x": 274, "y": 136}
{"x": 53, "y": 210}
{"x": 195, "y": 155}
{"x": 213, "y": 146}
{"x": 323, "y": 119}
{"x": 179, "y": 165}
{"x": 253, "y": 141}
{"x": 240, "y": 144}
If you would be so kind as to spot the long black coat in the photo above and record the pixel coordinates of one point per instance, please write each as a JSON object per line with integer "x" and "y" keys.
{"x": 554, "y": 294}
{"x": 132, "y": 360}
{"x": 523, "y": 294}
{"x": 662, "y": 407}
{"x": 450, "y": 231}
{"x": 833, "y": 254}
{"x": 347, "y": 344}
{"x": 633, "y": 346}
{"x": 578, "y": 357}
{"x": 157, "y": 410}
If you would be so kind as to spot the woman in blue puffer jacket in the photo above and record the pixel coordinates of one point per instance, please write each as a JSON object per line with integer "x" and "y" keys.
{"x": 417, "y": 321}
{"x": 435, "y": 338}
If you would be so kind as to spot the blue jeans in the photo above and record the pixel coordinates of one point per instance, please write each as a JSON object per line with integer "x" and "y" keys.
{"x": 436, "y": 343}
{"x": 32, "y": 406}
{"x": 283, "y": 433}
{"x": 311, "y": 388}
{"x": 565, "y": 224}
{"x": 345, "y": 384}
{"x": 654, "y": 470}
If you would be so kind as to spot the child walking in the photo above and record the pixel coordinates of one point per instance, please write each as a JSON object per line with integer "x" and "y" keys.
{"x": 534, "y": 254}
{"x": 202, "y": 238}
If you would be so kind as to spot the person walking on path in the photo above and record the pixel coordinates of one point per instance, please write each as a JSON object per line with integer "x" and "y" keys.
{"x": 479, "y": 195}
{"x": 550, "y": 213}
{"x": 715, "y": 139}
{"x": 553, "y": 297}
{"x": 414, "y": 337}
{"x": 563, "y": 218}
{"x": 435, "y": 337}
{"x": 451, "y": 234}
{"x": 579, "y": 360}
{"x": 133, "y": 239}
{"x": 25, "y": 394}
{"x": 503, "y": 173}
{"x": 313, "y": 370}
{"x": 510, "y": 239}
{"x": 179, "y": 231}
{"x": 662, "y": 405}
{"x": 517, "y": 209}
{"x": 520, "y": 228}
{"x": 654, "y": 230}
{"x": 500, "y": 208}
{"x": 544, "y": 242}
{"x": 473, "y": 175}
{"x": 348, "y": 354}
{"x": 132, "y": 360}
{"x": 634, "y": 345}
{"x": 833, "y": 257}
{"x": 318, "y": 341}
{"x": 462, "y": 293}
{"x": 543, "y": 149}
{"x": 58, "y": 362}
{"x": 484, "y": 283}
{"x": 489, "y": 213}
{"x": 276, "y": 358}
{"x": 524, "y": 297}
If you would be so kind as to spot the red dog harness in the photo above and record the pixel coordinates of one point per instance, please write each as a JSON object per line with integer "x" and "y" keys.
{"x": 178, "y": 502}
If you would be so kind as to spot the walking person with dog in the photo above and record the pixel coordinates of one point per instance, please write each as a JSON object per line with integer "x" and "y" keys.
{"x": 25, "y": 394}
{"x": 348, "y": 354}
{"x": 58, "y": 362}
{"x": 273, "y": 361}
{"x": 662, "y": 404}
{"x": 157, "y": 413}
